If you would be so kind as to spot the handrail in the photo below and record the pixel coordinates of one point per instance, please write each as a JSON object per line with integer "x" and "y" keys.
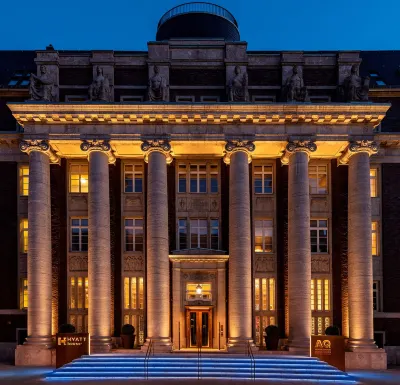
{"x": 150, "y": 349}
{"x": 252, "y": 361}
{"x": 199, "y": 360}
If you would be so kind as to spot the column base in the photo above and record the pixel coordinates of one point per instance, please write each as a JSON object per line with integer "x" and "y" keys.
{"x": 100, "y": 344}
{"x": 240, "y": 345}
{"x": 159, "y": 345}
{"x": 361, "y": 345}
{"x": 31, "y": 355}
{"x": 300, "y": 346}
{"x": 366, "y": 360}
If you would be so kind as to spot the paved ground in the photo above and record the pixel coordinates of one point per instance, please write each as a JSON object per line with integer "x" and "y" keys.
{"x": 34, "y": 376}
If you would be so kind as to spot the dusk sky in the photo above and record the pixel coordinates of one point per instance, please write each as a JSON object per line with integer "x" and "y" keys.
{"x": 264, "y": 24}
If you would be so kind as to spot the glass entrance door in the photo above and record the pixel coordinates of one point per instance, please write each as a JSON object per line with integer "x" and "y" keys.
{"x": 198, "y": 328}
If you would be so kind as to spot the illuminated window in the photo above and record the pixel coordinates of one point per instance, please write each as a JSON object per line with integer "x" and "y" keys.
{"x": 319, "y": 235}
{"x": 320, "y": 295}
{"x": 373, "y": 173}
{"x": 376, "y": 296}
{"x": 78, "y": 294}
{"x": 375, "y": 238}
{"x": 198, "y": 291}
{"x": 198, "y": 178}
{"x": 319, "y": 325}
{"x": 24, "y": 180}
{"x": 24, "y": 293}
{"x": 263, "y": 236}
{"x": 198, "y": 234}
{"x": 78, "y": 178}
{"x": 133, "y": 234}
{"x": 318, "y": 179}
{"x": 79, "y": 234}
{"x": 23, "y": 226}
{"x": 133, "y": 293}
{"x": 264, "y": 289}
{"x": 262, "y": 179}
{"x": 133, "y": 176}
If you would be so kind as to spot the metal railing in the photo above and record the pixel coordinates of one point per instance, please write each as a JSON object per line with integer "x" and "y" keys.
{"x": 149, "y": 352}
{"x": 199, "y": 360}
{"x": 197, "y": 7}
{"x": 252, "y": 361}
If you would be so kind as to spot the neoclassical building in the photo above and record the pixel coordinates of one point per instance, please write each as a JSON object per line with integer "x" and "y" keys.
{"x": 200, "y": 192}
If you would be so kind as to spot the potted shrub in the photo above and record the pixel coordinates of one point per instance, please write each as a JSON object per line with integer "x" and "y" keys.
{"x": 332, "y": 331}
{"x": 128, "y": 336}
{"x": 66, "y": 328}
{"x": 272, "y": 337}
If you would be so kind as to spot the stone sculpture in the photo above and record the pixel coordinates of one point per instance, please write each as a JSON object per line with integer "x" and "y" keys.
{"x": 157, "y": 88}
{"x": 294, "y": 88}
{"x": 239, "y": 87}
{"x": 41, "y": 87}
{"x": 354, "y": 87}
{"x": 100, "y": 90}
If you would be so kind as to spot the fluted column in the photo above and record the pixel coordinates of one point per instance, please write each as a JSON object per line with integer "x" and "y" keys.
{"x": 99, "y": 260}
{"x": 158, "y": 278}
{"x": 240, "y": 280}
{"x": 299, "y": 250}
{"x": 360, "y": 267}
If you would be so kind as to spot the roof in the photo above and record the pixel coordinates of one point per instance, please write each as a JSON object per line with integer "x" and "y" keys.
{"x": 15, "y": 68}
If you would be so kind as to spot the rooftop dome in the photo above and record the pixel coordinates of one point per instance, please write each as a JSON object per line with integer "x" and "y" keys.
{"x": 198, "y": 21}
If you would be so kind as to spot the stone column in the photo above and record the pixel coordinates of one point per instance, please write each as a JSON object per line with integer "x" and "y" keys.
{"x": 360, "y": 268}
{"x": 36, "y": 349}
{"x": 158, "y": 278}
{"x": 240, "y": 279}
{"x": 299, "y": 250}
{"x": 99, "y": 260}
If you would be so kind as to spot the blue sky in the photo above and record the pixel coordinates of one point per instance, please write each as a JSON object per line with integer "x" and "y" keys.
{"x": 264, "y": 24}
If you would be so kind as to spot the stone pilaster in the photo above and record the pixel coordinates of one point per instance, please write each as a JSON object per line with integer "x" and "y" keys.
{"x": 157, "y": 155}
{"x": 299, "y": 250}
{"x": 99, "y": 259}
{"x": 240, "y": 279}
{"x": 36, "y": 350}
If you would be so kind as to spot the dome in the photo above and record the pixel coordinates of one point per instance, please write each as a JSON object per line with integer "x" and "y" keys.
{"x": 198, "y": 21}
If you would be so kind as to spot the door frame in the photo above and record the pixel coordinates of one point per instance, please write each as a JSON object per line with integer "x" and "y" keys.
{"x": 197, "y": 309}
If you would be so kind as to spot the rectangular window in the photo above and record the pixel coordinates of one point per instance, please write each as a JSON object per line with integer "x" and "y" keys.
{"x": 198, "y": 291}
{"x": 373, "y": 173}
{"x": 24, "y": 180}
{"x": 319, "y": 235}
{"x": 133, "y": 293}
{"x": 79, "y": 178}
{"x": 24, "y": 294}
{"x": 375, "y": 238}
{"x": 182, "y": 233}
{"x": 263, "y": 236}
{"x": 79, "y": 293}
{"x": 198, "y": 178}
{"x": 133, "y": 177}
{"x": 198, "y": 234}
{"x": 214, "y": 234}
{"x": 263, "y": 179}
{"x": 376, "y": 296}
{"x": 79, "y": 234}
{"x": 319, "y": 325}
{"x": 318, "y": 176}
{"x": 261, "y": 323}
{"x": 133, "y": 234}
{"x": 182, "y": 178}
{"x": 213, "y": 178}
{"x": 264, "y": 289}
{"x": 320, "y": 295}
{"x": 23, "y": 233}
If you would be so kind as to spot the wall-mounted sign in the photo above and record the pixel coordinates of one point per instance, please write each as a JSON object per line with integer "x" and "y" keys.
{"x": 70, "y": 346}
{"x": 329, "y": 349}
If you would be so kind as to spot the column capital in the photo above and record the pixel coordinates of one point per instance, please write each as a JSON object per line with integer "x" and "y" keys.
{"x": 159, "y": 145}
{"x": 41, "y": 146}
{"x": 306, "y": 145}
{"x": 236, "y": 145}
{"x": 357, "y": 146}
{"x": 99, "y": 145}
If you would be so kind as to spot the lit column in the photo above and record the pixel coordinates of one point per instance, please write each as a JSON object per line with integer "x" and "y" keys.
{"x": 240, "y": 280}
{"x": 157, "y": 155}
{"x": 299, "y": 251}
{"x": 39, "y": 253}
{"x": 99, "y": 260}
{"x": 360, "y": 267}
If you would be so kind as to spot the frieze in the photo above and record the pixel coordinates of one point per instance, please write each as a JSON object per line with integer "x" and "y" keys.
{"x": 181, "y": 204}
{"x": 78, "y": 263}
{"x": 133, "y": 263}
{"x": 264, "y": 204}
{"x": 199, "y": 276}
{"x": 198, "y": 204}
{"x": 265, "y": 263}
{"x": 319, "y": 204}
{"x": 320, "y": 264}
{"x": 134, "y": 201}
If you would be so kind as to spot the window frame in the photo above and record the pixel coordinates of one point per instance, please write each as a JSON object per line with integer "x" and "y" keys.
{"x": 375, "y": 231}
{"x": 263, "y": 295}
{"x": 133, "y": 173}
{"x": 318, "y": 174}
{"x": 136, "y": 303}
{"x": 185, "y": 174}
{"x": 198, "y": 227}
{"x": 80, "y": 179}
{"x": 23, "y": 293}
{"x": 318, "y": 228}
{"x": 197, "y": 177}
{"x": 263, "y": 174}
{"x": 325, "y": 284}
{"x": 23, "y": 235}
{"x": 376, "y": 293}
{"x": 23, "y": 180}
{"x": 375, "y": 178}
{"x": 264, "y": 236}
{"x": 80, "y": 227}
{"x": 134, "y": 227}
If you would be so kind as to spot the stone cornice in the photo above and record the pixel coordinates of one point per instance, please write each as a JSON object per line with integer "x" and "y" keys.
{"x": 41, "y": 146}
{"x": 99, "y": 145}
{"x": 235, "y": 145}
{"x": 222, "y": 113}
{"x": 159, "y": 145}
{"x": 368, "y": 146}
{"x": 299, "y": 145}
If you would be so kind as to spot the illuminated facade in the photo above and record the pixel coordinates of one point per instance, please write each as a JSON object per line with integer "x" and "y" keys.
{"x": 167, "y": 202}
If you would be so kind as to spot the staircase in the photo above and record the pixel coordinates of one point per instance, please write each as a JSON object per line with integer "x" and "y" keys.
{"x": 185, "y": 366}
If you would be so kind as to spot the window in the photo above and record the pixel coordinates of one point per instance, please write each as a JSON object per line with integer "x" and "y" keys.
{"x": 320, "y": 295}
{"x": 78, "y": 295}
{"x": 133, "y": 234}
{"x": 263, "y": 236}
{"x": 198, "y": 234}
{"x": 198, "y": 291}
{"x": 23, "y": 233}
{"x": 133, "y": 293}
{"x": 263, "y": 179}
{"x": 214, "y": 234}
{"x": 318, "y": 179}
{"x": 198, "y": 178}
{"x": 213, "y": 178}
{"x": 182, "y": 234}
{"x": 319, "y": 325}
{"x": 24, "y": 180}
{"x": 376, "y": 296}
{"x": 182, "y": 178}
{"x": 319, "y": 235}
{"x": 380, "y": 83}
{"x": 24, "y": 293}
{"x": 375, "y": 238}
{"x": 197, "y": 175}
{"x": 133, "y": 176}
{"x": 78, "y": 178}
{"x": 264, "y": 291}
{"x": 373, "y": 173}
{"x": 261, "y": 323}
{"x": 79, "y": 234}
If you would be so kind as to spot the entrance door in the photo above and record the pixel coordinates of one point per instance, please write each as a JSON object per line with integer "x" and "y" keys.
{"x": 198, "y": 328}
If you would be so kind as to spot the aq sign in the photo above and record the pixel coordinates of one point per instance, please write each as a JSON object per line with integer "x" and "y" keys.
{"x": 329, "y": 349}
{"x": 71, "y": 346}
